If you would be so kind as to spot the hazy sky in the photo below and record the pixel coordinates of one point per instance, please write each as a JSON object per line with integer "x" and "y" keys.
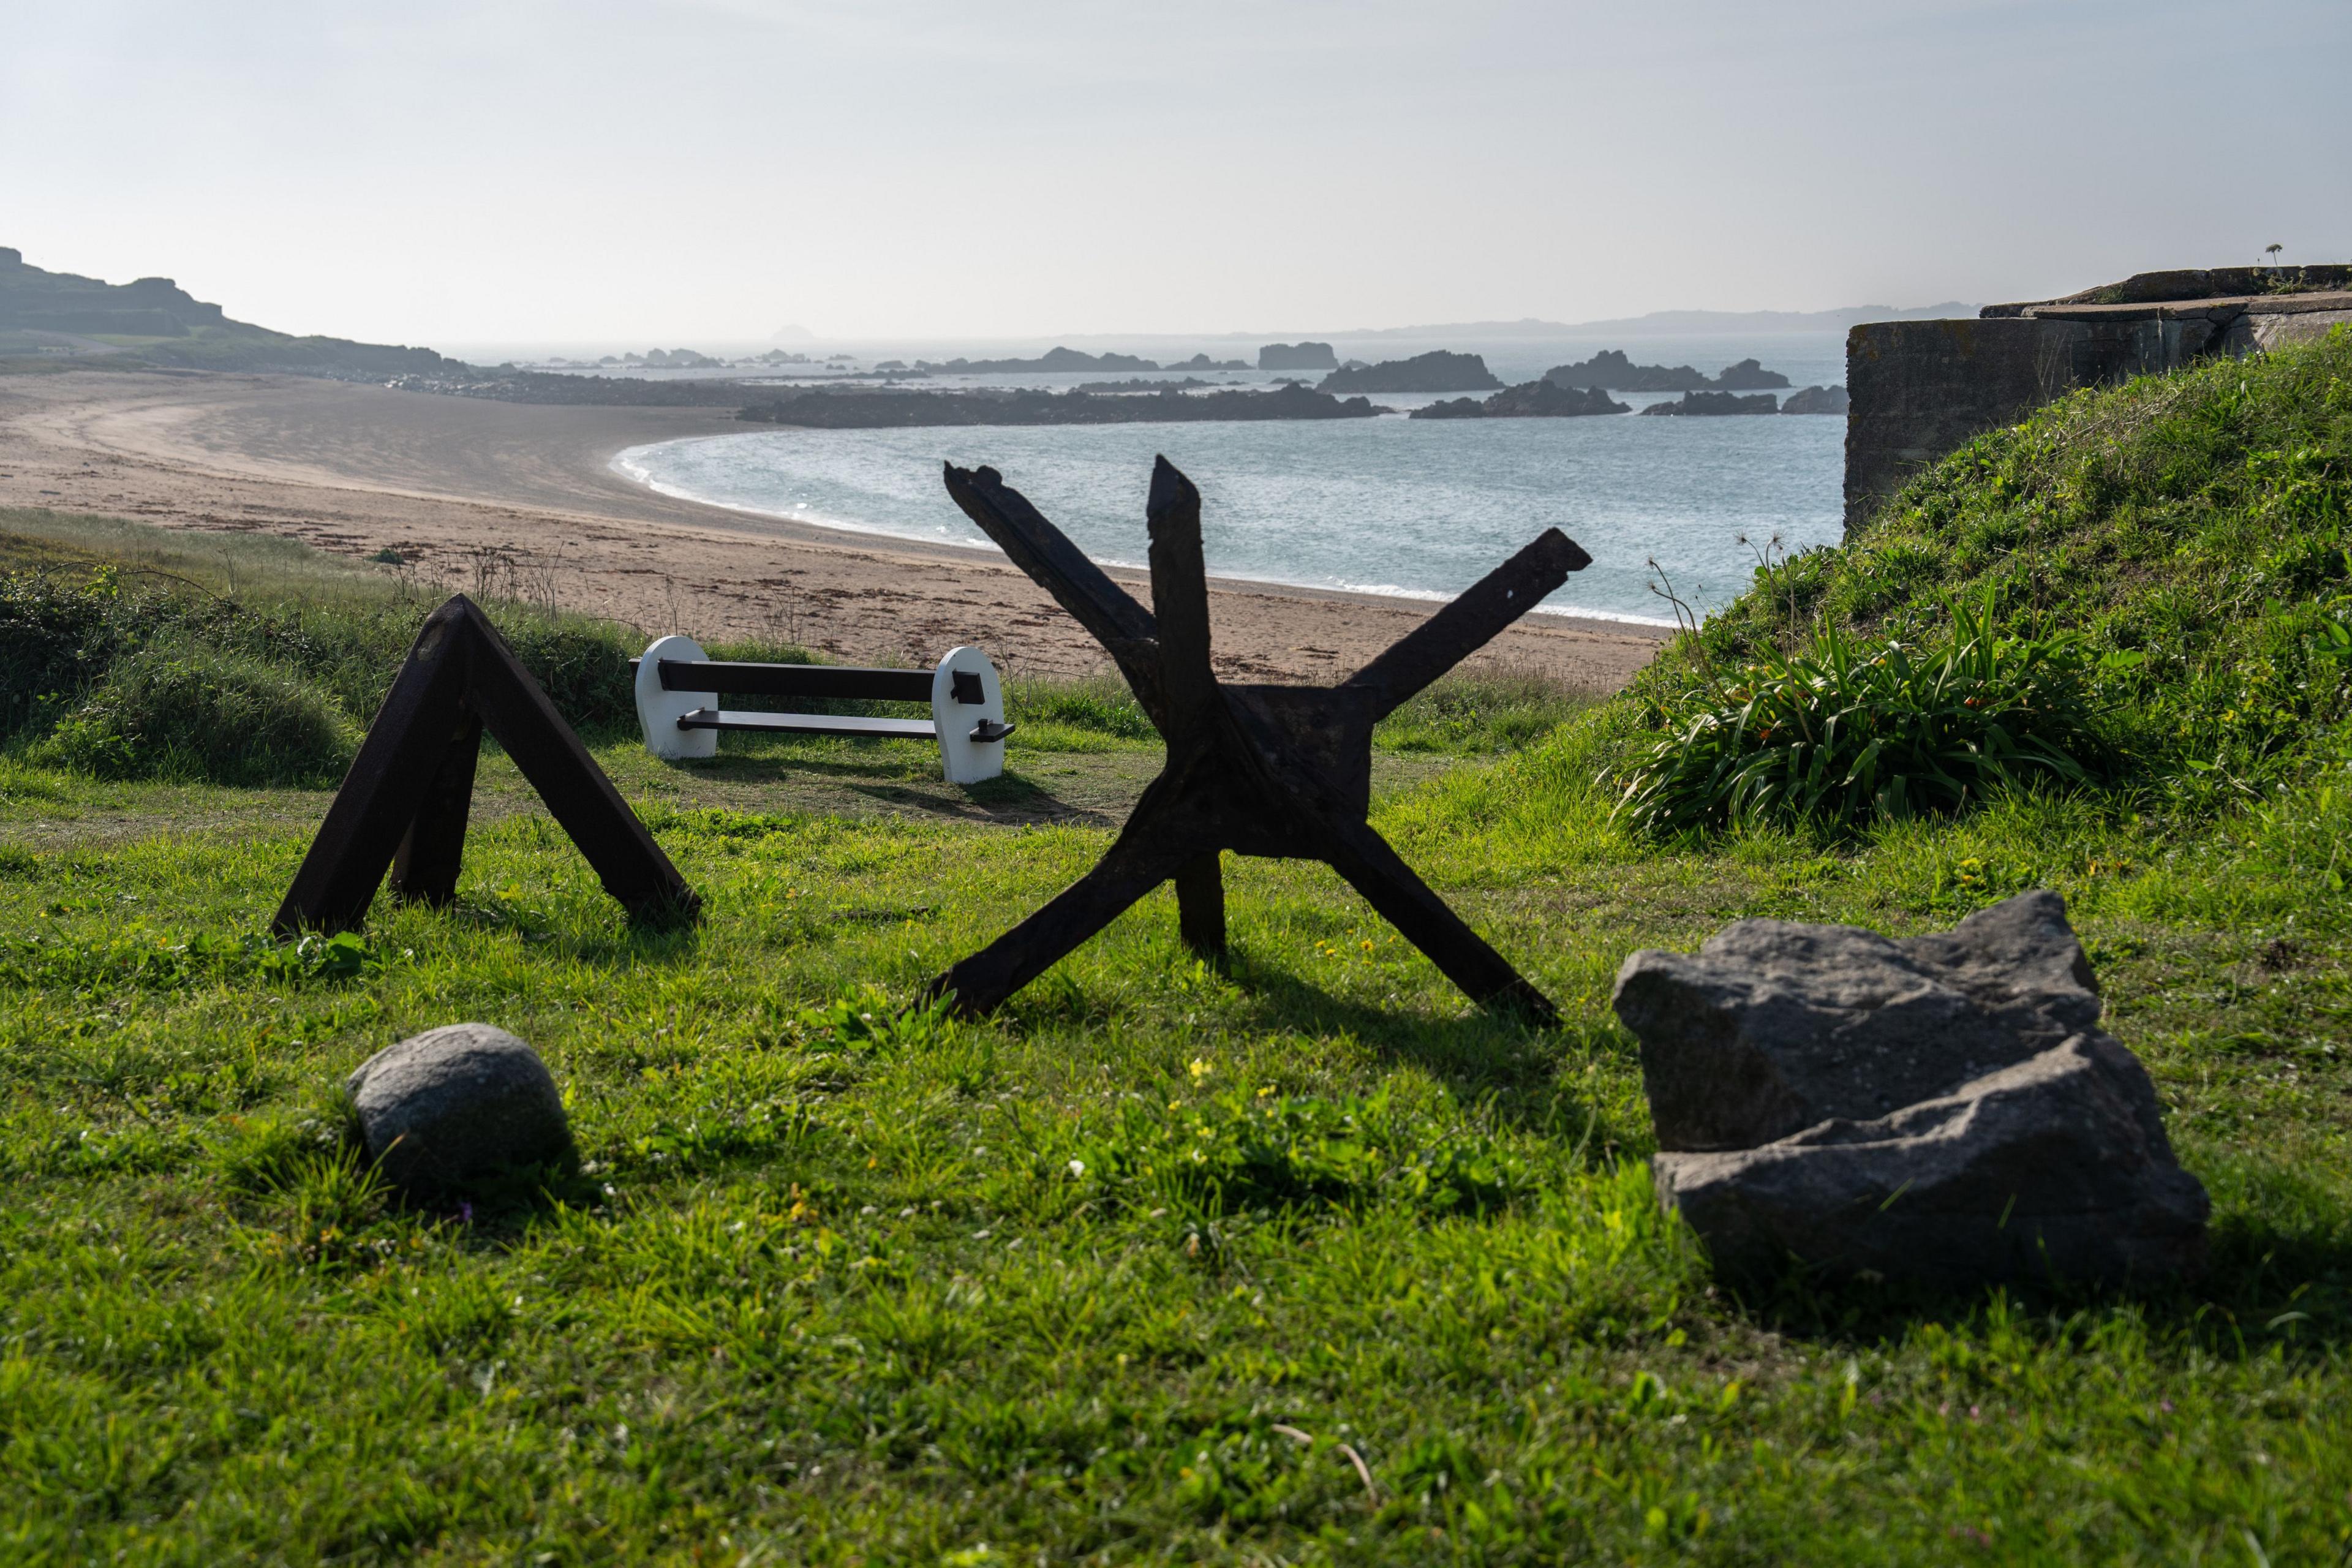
{"x": 701, "y": 171}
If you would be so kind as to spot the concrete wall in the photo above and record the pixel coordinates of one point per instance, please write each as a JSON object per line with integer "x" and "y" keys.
{"x": 1922, "y": 389}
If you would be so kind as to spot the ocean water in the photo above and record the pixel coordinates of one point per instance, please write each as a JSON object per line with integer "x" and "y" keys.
{"x": 1415, "y": 508}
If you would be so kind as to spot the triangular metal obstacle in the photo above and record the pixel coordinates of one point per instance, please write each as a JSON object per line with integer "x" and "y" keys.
{"x": 1277, "y": 770}
{"x": 404, "y": 802}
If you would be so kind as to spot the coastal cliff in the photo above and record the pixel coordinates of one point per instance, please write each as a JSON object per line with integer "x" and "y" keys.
{"x": 156, "y": 320}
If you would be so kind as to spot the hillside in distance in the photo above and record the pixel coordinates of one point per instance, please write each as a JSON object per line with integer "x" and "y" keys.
{"x": 64, "y": 316}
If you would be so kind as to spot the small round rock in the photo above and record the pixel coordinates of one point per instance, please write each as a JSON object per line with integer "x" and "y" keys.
{"x": 461, "y": 1101}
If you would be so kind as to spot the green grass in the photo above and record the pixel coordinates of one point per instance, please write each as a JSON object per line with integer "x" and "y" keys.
{"x": 1148, "y": 1266}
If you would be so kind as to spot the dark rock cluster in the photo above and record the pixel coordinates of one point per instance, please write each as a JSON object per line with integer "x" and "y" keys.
{"x": 1439, "y": 370}
{"x": 1297, "y": 356}
{"x": 829, "y": 408}
{"x": 1718, "y": 402}
{"x": 1816, "y": 400}
{"x": 1530, "y": 400}
{"x": 1612, "y": 369}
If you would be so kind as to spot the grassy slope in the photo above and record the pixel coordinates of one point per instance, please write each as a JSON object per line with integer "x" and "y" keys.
{"x": 829, "y": 1295}
{"x": 2195, "y": 524}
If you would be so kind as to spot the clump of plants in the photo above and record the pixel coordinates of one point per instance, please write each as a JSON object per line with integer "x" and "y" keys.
{"x": 191, "y": 712}
{"x": 149, "y": 675}
{"x": 1845, "y": 729}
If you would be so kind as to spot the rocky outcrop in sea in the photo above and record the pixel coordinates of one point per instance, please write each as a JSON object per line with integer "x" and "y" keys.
{"x": 1611, "y": 369}
{"x": 1054, "y": 359}
{"x": 1436, "y": 371}
{"x": 1297, "y": 356}
{"x": 1817, "y": 400}
{"x": 1718, "y": 402}
{"x": 1530, "y": 400}
{"x": 1747, "y": 375}
{"x": 826, "y": 408}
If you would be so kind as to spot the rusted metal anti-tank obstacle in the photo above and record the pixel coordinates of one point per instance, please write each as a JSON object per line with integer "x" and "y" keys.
{"x": 1283, "y": 771}
{"x": 404, "y": 804}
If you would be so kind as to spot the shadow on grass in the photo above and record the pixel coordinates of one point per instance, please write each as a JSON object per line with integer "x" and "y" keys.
{"x": 2272, "y": 1280}
{"x": 652, "y": 940}
{"x": 1011, "y": 797}
{"x": 1492, "y": 1058}
{"x": 1008, "y": 799}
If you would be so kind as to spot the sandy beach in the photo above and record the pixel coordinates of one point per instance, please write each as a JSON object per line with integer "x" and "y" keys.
{"x": 472, "y": 492}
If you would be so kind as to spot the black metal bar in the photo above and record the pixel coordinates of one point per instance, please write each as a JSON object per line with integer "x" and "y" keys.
{"x": 405, "y": 747}
{"x": 1474, "y": 618}
{"x": 1274, "y": 771}
{"x": 815, "y": 680}
{"x": 1180, "y": 603}
{"x": 810, "y": 724}
{"x": 432, "y": 851}
{"x": 1132, "y": 867}
{"x": 406, "y": 798}
{"x": 628, "y": 862}
{"x": 1124, "y": 628}
{"x": 1201, "y": 905}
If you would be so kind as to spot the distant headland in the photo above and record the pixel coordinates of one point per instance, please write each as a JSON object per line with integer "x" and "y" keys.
{"x": 65, "y": 316}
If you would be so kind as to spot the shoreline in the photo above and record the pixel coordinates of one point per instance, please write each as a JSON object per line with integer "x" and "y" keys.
{"x": 1124, "y": 571}
{"x": 466, "y": 489}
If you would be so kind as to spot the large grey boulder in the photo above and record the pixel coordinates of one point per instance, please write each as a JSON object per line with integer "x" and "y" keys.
{"x": 2057, "y": 1167}
{"x": 457, "y": 1103}
{"x": 1942, "y": 1109}
{"x": 1773, "y": 1026}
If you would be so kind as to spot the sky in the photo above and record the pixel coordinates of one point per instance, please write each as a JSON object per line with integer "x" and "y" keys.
{"x": 710, "y": 171}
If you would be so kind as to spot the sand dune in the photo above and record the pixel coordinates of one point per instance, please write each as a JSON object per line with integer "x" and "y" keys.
{"x": 469, "y": 489}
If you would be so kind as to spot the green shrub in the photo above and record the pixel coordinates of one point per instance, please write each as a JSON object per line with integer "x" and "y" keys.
{"x": 197, "y": 712}
{"x": 60, "y": 634}
{"x": 1847, "y": 731}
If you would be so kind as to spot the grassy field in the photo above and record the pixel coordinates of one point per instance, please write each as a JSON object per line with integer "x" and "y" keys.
{"x": 1306, "y": 1260}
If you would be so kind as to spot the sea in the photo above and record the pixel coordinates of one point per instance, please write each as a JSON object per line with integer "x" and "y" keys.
{"x": 1417, "y": 508}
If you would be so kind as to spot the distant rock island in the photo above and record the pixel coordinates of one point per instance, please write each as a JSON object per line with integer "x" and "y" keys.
{"x": 1610, "y": 368}
{"x": 1297, "y": 356}
{"x": 1816, "y": 400}
{"x": 1202, "y": 362}
{"x": 1749, "y": 376}
{"x": 154, "y": 320}
{"x": 1054, "y": 359}
{"x": 1436, "y": 371}
{"x": 826, "y": 409}
{"x": 1718, "y": 402}
{"x": 1531, "y": 400}
{"x": 1139, "y": 384}
{"x": 673, "y": 359}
